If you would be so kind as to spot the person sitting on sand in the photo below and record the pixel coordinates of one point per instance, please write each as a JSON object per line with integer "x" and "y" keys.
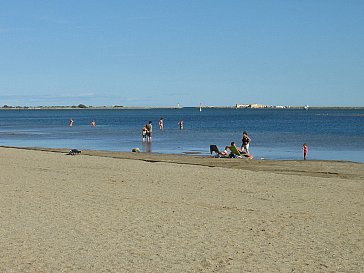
{"x": 226, "y": 152}
{"x": 233, "y": 154}
{"x": 237, "y": 152}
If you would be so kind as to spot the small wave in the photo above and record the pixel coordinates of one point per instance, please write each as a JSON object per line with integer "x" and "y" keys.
{"x": 193, "y": 153}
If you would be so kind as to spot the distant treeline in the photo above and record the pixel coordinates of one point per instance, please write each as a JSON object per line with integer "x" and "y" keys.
{"x": 81, "y": 106}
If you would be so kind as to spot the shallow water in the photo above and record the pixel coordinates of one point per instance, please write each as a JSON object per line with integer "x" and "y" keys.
{"x": 276, "y": 133}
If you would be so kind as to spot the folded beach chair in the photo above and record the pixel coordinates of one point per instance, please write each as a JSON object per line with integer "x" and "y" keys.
{"x": 215, "y": 149}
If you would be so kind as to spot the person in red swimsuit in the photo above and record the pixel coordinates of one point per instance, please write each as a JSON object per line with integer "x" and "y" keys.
{"x": 305, "y": 151}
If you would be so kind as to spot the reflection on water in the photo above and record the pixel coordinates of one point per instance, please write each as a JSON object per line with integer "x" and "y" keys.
{"x": 147, "y": 147}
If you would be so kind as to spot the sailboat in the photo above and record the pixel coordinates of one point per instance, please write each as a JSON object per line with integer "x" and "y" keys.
{"x": 200, "y": 107}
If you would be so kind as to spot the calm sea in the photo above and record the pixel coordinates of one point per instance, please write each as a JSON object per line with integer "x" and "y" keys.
{"x": 276, "y": 133}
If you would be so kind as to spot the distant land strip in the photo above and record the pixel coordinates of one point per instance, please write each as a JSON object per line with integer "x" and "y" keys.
{"x": 82, "y": 106}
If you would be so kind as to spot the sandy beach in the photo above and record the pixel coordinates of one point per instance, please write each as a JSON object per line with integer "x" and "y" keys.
{"x": 135, "y": 212}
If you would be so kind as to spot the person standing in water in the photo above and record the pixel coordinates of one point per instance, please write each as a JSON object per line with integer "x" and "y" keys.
{"x": 144, "y": 133}
{"x": 149, "y": 131}
{"x": 161, "y": 123}
{"x": 71, "y": 122}
{"x": 305, "y": 151}
{"x": 180, "y": 124}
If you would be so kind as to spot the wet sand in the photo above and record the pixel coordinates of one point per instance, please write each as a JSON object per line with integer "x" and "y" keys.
{"x": 135, "y": 212}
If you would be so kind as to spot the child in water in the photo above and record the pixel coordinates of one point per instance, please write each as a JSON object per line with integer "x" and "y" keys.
{"x": 305, "y": 151}
{"x": 144, "y": 133}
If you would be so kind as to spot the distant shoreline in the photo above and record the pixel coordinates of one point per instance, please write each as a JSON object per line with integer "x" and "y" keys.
{"x": 174, "y": 107}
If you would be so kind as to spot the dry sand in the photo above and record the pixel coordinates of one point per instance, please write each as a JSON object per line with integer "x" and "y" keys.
{"x": 123, "y": 212}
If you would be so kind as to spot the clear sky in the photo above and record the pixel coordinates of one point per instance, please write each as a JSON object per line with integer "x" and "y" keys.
{"x": 164, "y": 52}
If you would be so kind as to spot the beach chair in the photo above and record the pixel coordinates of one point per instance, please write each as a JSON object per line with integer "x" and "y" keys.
{"x": 215, "y": 149}
{"x": 236, "y": 153}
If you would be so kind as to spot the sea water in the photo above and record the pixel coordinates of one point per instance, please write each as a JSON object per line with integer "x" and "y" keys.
{"x": 331, "y": 134}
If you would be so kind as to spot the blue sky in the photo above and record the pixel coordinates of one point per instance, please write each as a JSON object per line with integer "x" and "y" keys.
{"x": 160, "y": 53}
